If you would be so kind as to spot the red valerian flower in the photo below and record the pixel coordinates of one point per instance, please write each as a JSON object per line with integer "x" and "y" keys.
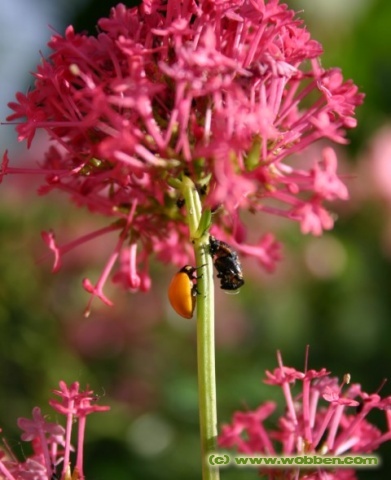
{"x": 51, "y": 442}
{"x": 222, "y": 91}
{"x": 323, "y": 418}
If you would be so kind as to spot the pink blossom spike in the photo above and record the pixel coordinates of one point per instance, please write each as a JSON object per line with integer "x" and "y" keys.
{"x": 50, "y": 447}
{"x": 225, "y": 92}
{"x": 325, "y": 420}
{"x": 37, "y": 428}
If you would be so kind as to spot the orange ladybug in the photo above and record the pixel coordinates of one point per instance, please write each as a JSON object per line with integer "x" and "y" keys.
{"x": 182, "y": 291}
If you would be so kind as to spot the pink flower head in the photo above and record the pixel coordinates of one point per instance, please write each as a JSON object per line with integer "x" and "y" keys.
{"x": 75, "y": 402}
{"x": 51, "y": 442}
{"x": 253, "y": 424}
{"x": 222, "y": 91}
{"x": 37, "y": 426}
{"x": 322, "y": 418}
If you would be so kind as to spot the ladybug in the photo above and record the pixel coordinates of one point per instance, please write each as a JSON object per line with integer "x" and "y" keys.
{"x": 227, "y": 264}
{"x": 182, "y": 291}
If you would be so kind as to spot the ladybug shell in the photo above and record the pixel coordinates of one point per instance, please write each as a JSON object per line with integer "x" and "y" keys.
{"x": 182, "y": 292}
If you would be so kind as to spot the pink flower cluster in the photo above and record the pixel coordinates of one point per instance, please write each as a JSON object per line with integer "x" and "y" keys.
{"x": 51, "y": 443}
{"x": 224, "y": 91}
{"x": 316, "y": 421}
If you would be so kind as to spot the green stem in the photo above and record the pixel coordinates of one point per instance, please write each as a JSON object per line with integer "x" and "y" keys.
{"x": 205, "y": 331}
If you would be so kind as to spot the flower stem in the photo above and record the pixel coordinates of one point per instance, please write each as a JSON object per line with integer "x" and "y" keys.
{"x": 205, "y": 330}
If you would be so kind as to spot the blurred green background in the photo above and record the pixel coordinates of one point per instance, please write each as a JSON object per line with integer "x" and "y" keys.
{"x": 333, "y": 293}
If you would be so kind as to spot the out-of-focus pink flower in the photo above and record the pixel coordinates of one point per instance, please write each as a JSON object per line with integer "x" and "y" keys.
{"x": 316, "y": 421}
{"x": 33, "y": 428}
{"x": 378, "y": 163}
{"x": 373, "y": 183}
{"x": 224, "y": 92}
{"x": 50, "y": 441}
